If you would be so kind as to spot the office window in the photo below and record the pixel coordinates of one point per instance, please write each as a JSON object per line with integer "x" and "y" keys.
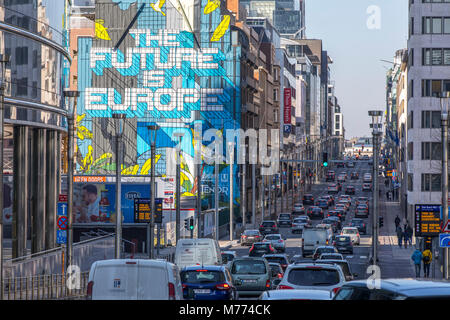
{"x": 431, "y": 182}
{"x": 426, "y": 25}
{"x": 446, "y": 25}
{"x": 436, "y": 57}
{"x": 425, "y": 182}
{"x": 410, "y": 182}
{"x": 436, "y": 151}
{"x": 22, "y": 89}
{"x": 446, "y": 59}
{"x": 426, "y": 56}
{"x": 435, "y": 119}
{"x": 436, "y": 25}
{"x": 446, "y": 85}
{"x": 21, "y": 55}
{"x": 410, "y": 151}
{"x": 425, "y": 151}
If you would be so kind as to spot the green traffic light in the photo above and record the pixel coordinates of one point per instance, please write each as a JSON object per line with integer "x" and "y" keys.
{"x": 191, "y": 227}
{"x": 325, "y": 164}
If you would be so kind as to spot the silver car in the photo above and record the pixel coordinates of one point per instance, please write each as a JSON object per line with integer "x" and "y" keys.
{"x": 313, "y": 276}
{"x": 353, "y": 233}
{"x": 251, "y": 275}
{"x": 277, "y": 241}
{"x": 299, "y": 224}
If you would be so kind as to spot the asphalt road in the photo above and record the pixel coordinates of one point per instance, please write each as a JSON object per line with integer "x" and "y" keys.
{"x": 359, "y": 259}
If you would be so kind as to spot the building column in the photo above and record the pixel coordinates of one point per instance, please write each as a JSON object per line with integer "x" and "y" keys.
{"x": 38, "y": 187}
{"x": 20, "y": 194}
{"x": 51, "y": 195}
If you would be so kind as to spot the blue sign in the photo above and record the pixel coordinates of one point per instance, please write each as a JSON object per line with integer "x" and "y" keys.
{"x": 61, "y": 236}
{"x": 287, "y": 128}
{"x": 62, "y": 209}
{"x": 444, "y": 240}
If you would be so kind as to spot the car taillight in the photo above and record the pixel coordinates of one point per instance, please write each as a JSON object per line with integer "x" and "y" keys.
{"x": 274, "y": 226}
{"x": 281, "y": 241}
{"x": 268, "y": 284}
{"x": 357, "y": 234}
{"x": 90, "y": 287}
{"x": 184, "y": 286}
{"x": 223, "y": 286}
{"x": 171, "y": 291}
{"x": 244, "y": 236}
{"x": 335, "y": 290}
{"x": 283, "y": 287}
{"x": 256, "y": 236}
{"x": 279, "y": 276}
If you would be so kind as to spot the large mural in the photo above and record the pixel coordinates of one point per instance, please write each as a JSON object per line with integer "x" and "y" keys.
{"x": 175, "y": 67}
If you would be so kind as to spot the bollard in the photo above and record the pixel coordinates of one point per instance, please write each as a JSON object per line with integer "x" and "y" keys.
{"x": 32, "y": 288}
{"x": 51, "y": 286}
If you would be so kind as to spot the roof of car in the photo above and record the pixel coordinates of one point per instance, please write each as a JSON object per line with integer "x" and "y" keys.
{"x": 209, "y": 268}
{"x": 229, "y": 252}
{"x": 409, "y": 287}
{"x": 298, "y": 294}
{"x": 275, "y": 255}
{"x": 328, "y": 247}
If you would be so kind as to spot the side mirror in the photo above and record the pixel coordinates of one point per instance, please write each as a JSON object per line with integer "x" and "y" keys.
{"x": 355, "y": 275}
{"x": 276, "y": 282}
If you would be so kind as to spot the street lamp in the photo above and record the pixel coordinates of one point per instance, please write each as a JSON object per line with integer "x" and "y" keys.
{"x": 119, "y": 119}
{"x": 376, "y": 122}
{"x": 178, "y": 135}
{"x": 71, "y": 102}
{"x": 4, "y": 59}
{"x": 153, "y": 129}
{"x": 444, "y": 129}
{"x": 231, "y": 155}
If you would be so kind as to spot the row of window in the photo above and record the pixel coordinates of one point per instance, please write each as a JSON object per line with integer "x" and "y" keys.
{"x": 429, "y": 182}
{"x": 429, "y": 119}
{"x": 429, "y": 151}
{"x": 435, "y": 25}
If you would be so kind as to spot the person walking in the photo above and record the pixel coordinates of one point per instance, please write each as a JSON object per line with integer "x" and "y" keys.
{"x": 399, "y": 236}
{"x": 409, "y": 233}
{"x": 405, "y": 236}
{"x": 397, "y": 222}
{"x": 427, "y": 257}
{"x": 417, "y": 258}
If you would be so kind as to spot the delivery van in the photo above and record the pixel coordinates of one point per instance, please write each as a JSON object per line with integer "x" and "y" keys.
{"x": 314, "y": 237}
{"x": 134, "y": 279}
{"x": 191, "y": 252}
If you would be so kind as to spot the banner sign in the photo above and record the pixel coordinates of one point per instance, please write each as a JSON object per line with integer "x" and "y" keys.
{"x": 287, "y": 105}
{"x": 427, "y": 220}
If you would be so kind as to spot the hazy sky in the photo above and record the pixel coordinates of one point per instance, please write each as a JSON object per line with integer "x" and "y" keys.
{"x": 356, "y": 50}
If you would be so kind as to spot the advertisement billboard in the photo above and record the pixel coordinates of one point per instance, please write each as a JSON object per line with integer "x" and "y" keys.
{"x": 287, "y": 105}
{"x": 427, "y": 220}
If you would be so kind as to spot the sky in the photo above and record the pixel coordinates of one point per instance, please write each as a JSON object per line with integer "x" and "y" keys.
{"x": 356, "y": 50}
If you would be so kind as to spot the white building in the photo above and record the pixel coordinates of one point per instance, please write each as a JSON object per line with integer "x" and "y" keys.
{"x": 428, "y": 75}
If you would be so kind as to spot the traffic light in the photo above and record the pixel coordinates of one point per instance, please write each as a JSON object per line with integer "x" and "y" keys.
{"x": 381, "y": 222}
{"x": 186, "y": 224}
{"x": 191, "y": 223}
{"x": 325, "y": 159}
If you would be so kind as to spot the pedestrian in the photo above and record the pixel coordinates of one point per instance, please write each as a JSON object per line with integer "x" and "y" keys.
{"x": 417, "y": 258}
{"x": 399, "y": 236}
{"x": 427, "y": 257}
{"x": 387, "y": 195}
{"x": 405, "y": 237}
{"x": 397, "y": 222}
{"x": 409, "y": 232}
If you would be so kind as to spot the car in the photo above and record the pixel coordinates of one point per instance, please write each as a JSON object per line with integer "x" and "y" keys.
{"x": 350, "y": 190}
{"x": 323, "y": 249}
{"x": 337, "y": 221}
{"x": 313, "y": 276}
{"x": 134, "y": 279}
{"x": 395, "y": 289}
{"x": 259, "y": 249}
{"x": 343, "y": 244}
{"x": 361, "y": 200}
{"x": 345, "y": 266}
{"x": 315, "y": 237}
{"x": 298, "y": 209}
{"x": 333, "y": 189}
{"x": 346, "y": 203}
{"x": 284, "y": 220}
{"x": 330, "y": 199}
{"x": 330, "y": 256}
{"x": 333, "y": 223}
{"x": 345, "y": 197}
{"x": 299, "y": 224}
{"x": 341, "y": 206}
{"x": 354, "y": 176}
{"x": 353, "y": 233}
{"x": 322, "y": 203}
{"x": 268, "y": 227}
{"x": 277, "y": 241}
{"x": 367, "y": 187}
{"x": 336, "y": 213}
{"x": 228, "y": 256}
{"x": 277, "y": 270}
{"x": 282, "y": 259}
{"x": 315, "y": 212}
{"x": 350, "y": 164}
{"x": 331, "y": 176}
{"x": 208, "y": 283}
{"x": 340, "y": 165}
{"x": 341, "y": 178}
{"x": 248, "y": 237}
{"x": 359, "y": 224}
{"x": 298, "y": 294}
{"x": 367, "y": 178}
{"x": 308, "y": 199}
{"x": 251, "y": 275}
{"x": 362, "y": 211}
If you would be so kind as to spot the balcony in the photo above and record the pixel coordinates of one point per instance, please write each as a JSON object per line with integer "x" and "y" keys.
{"x": 249, "y": 83}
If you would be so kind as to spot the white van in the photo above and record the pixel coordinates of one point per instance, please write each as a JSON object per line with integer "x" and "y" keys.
{"x": 314, "y": 237}
{"x": 191, "y": 252}
{"x": 134, "y": 279}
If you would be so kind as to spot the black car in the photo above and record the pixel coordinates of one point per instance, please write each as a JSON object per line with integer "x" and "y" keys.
{"x": 360, "y": 224}
{"x": 350, "y": 190}
{"x": 268, "y": 227}
{"x": 336, "y": 213}
{"x": 284, "y": 219}
{"x": 308, "y": 199}
{"x": 344, "y": 244}
{"x": 259, "y": 249}
{"x": 331, "y": 176}
{"x": 354, "y": 176}
{"x": 322, "y": 203}
{"x": 315, "y": 212}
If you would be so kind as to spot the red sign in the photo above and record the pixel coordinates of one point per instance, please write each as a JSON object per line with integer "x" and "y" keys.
{"x": 62, "y": 223}
{"x": 287, "y": 105}
{"x": 62, "y": 198}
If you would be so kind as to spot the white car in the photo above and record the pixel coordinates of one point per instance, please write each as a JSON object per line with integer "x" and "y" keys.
{"x": 277, "y": 241}
{"x": 353, "y": 233}
{"x": 299, "y": 224}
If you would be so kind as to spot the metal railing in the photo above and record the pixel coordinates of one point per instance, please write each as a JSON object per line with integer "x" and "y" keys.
{"x": 45, "y": 287}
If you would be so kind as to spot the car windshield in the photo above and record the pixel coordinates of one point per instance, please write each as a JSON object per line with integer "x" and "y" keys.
{"x": 349, "y": 231}
{"x": 325, "y": 250}
{"x": 202, "y": 276}
{"x": 285, "y": 216}
{"x": 248, "y": 267}
{"x": 299, "y": 220}
{"x": 268, "y": 224}
{"x": 251, "y": 232}
{"x": 316, "y": 276}
{"x": 276, "y": 268}
{"x": 342, "y": 239}
{"x": 274, "y": 237}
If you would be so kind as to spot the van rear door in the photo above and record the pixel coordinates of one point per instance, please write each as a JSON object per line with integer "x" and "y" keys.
{"x": 153, "y": 282}
{"x": 115, "y": 281}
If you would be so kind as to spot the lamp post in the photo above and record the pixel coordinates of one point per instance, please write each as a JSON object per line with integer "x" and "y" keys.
{"x": 119, "y": 119}
{"x": 179, "y": 135}
{"x": 376, "y": 122}
{"x": 4, "y": 59}
{"x": 71, "y": 101}
{"x": 152, "y": 135}
{"x": 444, "y": 129}
{"x": 231, "y": 155}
